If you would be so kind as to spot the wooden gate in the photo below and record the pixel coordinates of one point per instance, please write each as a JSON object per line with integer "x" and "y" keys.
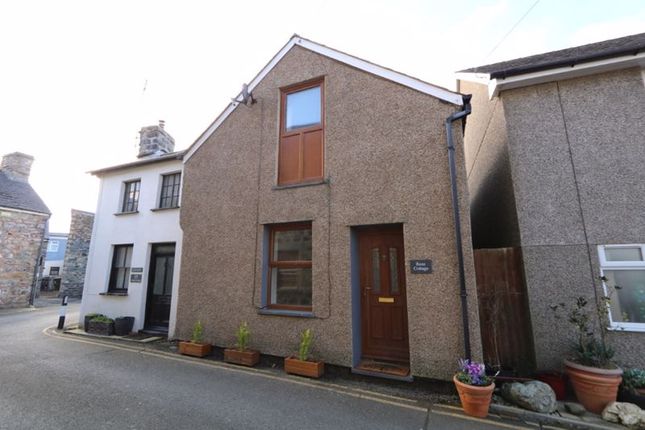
{"x": 503, "y": 309}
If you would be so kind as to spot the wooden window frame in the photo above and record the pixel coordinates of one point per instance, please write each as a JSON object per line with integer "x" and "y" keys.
{"x": 284, "y": 92}
{"x": 135, "y": 200}
{"x": 294, "y": 264}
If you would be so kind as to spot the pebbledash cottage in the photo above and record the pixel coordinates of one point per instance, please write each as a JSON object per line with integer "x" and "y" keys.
{"x": 322, "y": 198}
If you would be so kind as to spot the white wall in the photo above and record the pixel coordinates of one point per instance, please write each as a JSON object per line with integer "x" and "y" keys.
{"x": 141, "y": 229}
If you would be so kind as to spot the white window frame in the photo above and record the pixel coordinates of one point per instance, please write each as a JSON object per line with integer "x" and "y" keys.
{"x": 621, "y": 265}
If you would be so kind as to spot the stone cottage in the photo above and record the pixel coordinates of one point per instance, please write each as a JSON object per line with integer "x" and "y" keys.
{"x": 555, "y": 150}
{"x": 321, "y": 198}
{"x": 23, "y": 223}
{"x": 76, "y": 251}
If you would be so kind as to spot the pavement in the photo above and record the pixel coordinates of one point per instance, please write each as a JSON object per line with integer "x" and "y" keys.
{"x": 51, "y": 380}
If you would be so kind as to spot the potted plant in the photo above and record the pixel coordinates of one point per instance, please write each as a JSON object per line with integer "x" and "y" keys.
{"x": 101, "y": 325}
{"x": 304, "y": 365}
{"x": 593, "y": 374}
{"x": 241, "y": 354}
{"x": 123, "y": 325}
{"x": 475, "y": 388}
{"x": 87, "y": 318}
{"x": 632, "y": 390}
{"x": 196, "y": 346}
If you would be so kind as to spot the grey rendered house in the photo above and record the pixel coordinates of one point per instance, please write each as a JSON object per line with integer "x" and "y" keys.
{"x": 555, "y": 150}
{"x": 306, "y": 203}
{"x": 23, "y": 225}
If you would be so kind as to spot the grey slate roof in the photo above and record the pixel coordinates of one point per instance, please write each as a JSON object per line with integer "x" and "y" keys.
{"x": 177, "y": 155}
{"x": 20, "y": 195}
{"x": 628, "y": 45}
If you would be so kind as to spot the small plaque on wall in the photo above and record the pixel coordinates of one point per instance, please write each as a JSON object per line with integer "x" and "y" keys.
{"x": 136, "y": 270}
{"x": 422, "y": 267}
{"x": 135, "y": 278}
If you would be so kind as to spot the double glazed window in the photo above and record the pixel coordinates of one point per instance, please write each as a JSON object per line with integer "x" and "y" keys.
{"x": 54, "y": 270}
{"x": 624, "y": 268}
{"x": 52, "y": 246}
{"x": 120, "y": 273}
{"x": 300, "y": 157}
{"x": 131, "y": 196}
{"x": 289, "y": 285}
{"x": 170, "y": 188}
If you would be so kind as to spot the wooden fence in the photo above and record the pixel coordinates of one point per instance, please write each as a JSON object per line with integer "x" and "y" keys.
{"x": 503, "y": 309}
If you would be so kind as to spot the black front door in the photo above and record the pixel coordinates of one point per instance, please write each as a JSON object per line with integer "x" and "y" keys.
{"x": 162, "y": 262}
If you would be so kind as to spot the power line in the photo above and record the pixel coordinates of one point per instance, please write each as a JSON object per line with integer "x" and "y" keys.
{"x": 511, "y": 30}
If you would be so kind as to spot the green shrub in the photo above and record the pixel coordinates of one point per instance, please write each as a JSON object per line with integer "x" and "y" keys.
{"x": 243, "y": 334}
{"x": 102, "y": 319}
{"x": 306, "y": 338}
{"x": 198, "y": 333}
{"x": 633, "y": 378}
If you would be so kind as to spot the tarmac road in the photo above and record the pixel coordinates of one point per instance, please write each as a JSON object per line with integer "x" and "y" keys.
{"x": 55, "y": 382}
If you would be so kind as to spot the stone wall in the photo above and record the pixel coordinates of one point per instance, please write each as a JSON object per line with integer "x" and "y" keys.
{"x": 21, "y": 239}
{"x": 78, "y": 246}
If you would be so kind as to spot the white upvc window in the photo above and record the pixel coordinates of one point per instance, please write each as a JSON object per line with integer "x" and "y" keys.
{"x": 624, "y": 268}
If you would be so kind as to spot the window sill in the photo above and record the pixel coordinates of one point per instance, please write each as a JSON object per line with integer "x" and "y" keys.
{"x": 633, "y": 327}
{"x": 286, "y": 313}
{"x": 163, "y": 209}
{"x": 113, "y": 293}
{"x": 126, "y": 213}
{"x": 300, "y": 185}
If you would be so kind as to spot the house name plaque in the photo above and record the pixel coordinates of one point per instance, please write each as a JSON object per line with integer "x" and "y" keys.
{"x": 422, "y": 267}
{"x": 135, "y": 278}
{"x": 137, "y": 270}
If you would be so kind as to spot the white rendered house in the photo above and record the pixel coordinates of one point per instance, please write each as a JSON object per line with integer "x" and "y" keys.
{"x": 134, "y": 258}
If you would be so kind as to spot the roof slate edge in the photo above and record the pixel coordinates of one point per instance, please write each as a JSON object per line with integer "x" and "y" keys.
{"x": 177, "y": 155}
{"x": 602, "y": 54}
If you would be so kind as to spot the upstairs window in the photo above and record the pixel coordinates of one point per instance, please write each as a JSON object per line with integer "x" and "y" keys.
{"x": 624, "y": 268}
{"x": 289, "y": 285}
{"x": 300, "y": 156}
{"x": 131, "y": 196}
{"x": 52, "y": 246}
{"x": 170, "y": 187}
{"x": 54, "y": 270}
{"x": 120, "y": 272}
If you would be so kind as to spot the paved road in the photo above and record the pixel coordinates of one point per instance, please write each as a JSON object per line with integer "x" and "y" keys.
{"x": 54, "y": 383}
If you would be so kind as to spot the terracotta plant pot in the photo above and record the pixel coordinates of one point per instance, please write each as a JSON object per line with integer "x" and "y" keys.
{"x": 247, "y": 357}
{"x": 312, "y": 369}
{"x": 195, "y": 349}
{"x": 475, "y": 400}
{"x": 595, "y": 388}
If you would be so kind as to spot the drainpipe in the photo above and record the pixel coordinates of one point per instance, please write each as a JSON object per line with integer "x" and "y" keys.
{"x": 455, "y": 210}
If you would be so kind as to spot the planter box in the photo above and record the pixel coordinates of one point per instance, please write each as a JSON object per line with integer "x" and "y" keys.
{"x": 195, "y": 349}
{"x": 86, "y": 321}
{"x": 102, "y": 328}
{"x": 312, "y": 369}
{"x": 123, "y": 325}
{"x": 248, "y": 357}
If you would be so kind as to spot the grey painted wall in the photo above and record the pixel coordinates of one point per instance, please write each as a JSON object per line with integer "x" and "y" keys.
{"x": 576, "y": 150}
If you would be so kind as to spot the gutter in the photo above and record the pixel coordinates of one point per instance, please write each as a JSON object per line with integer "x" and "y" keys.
{"x": 461, "y": 115}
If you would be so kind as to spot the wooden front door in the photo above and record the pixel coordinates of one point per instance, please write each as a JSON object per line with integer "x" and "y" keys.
{"x": 162, "y": 262}
{"x": 384, "y": 315}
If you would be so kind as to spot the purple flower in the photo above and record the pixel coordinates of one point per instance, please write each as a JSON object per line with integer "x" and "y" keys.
{"x": 474, "y": 372}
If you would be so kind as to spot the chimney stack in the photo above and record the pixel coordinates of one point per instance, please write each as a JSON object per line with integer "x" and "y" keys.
{"x": 17, "y": 166}
{"x": 154, "y": 140}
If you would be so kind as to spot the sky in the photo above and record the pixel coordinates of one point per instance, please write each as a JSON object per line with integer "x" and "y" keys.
{"x": 78, "y": 79}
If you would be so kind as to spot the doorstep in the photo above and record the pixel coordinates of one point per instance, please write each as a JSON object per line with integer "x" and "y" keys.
{"x": 383, "y": 369}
